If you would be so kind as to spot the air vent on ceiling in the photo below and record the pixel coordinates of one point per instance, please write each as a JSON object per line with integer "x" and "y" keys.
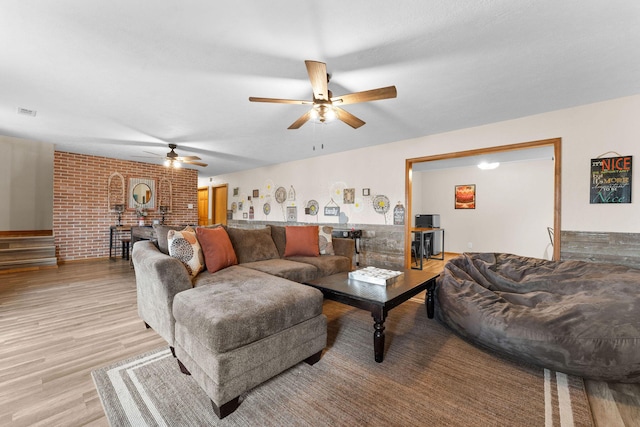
{"x": 27, "y": 112}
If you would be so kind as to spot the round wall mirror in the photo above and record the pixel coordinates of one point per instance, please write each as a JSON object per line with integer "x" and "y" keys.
{"x": 142, "y": 194}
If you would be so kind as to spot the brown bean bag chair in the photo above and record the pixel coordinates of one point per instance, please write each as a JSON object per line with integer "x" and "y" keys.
{"x": 575, "y": 317}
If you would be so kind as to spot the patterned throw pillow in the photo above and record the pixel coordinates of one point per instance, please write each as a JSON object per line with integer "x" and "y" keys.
{"x": 184, "y": 246}
{"x": 325, "y": 242}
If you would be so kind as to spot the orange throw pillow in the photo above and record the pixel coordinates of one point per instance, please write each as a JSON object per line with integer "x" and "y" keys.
{"x": 301, "y": 240}
{"x": 217, "y": 248}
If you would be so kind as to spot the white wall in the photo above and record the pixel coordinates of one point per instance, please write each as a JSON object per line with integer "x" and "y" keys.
{"x": 26, "y": 185}
{"x": 587, "y": 132}
{"x": 514, "y": 207}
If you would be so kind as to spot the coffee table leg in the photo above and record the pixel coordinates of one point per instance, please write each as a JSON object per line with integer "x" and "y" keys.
{"x": 430, "y": 302}
{"x": 378, "y": 338}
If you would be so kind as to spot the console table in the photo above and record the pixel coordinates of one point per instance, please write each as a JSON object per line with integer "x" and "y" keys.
{"x": 143, "y": 232}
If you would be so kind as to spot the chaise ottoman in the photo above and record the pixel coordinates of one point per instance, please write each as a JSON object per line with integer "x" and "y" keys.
{"x": 233, "y": 336}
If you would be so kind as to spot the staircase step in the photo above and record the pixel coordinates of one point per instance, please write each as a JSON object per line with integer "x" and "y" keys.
{"x": 17, "y": 254}
{"x": 28, "y": 264}
{"x": 27, "y": 252}
{"x": 26, "y": 241}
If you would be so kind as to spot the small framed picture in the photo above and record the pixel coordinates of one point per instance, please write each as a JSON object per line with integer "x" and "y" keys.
{"x": 366, "y": 192}
{"x": 349, "y": 195}
{"x": 292, "y": 213}
{"x": 465, "y": 196}
{"x": 256, "y": 194}
{"x": 236, "y": 191}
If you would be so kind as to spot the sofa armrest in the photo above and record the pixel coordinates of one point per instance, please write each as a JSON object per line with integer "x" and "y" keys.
{"x": 344, "y": 247}
{"x": 159, "y": 277}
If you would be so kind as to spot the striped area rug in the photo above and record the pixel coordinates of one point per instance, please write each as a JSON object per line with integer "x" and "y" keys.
{"x": 429, "y": 376}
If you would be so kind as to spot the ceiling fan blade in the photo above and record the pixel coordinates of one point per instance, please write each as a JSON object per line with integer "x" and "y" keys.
{"x": 302, "y": 120}
{"x": 187, "y": 158}
{"x": 153, "y": 154}
{"x": 191, "y": 162}
{"x": 365, "y": 96}
{"x": 278, "y": 100}
{"x": 348, "y": 118}
{"x": 318, "y": 75}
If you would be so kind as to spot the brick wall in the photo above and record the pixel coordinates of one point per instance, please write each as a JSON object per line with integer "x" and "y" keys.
{"x": 81, "y": 217}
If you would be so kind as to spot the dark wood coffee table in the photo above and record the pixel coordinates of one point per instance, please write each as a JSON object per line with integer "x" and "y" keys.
{"x": 378, "y": 299}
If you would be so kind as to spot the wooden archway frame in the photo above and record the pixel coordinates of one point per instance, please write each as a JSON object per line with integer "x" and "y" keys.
{"x": 555, "y": 142}
{"x": 120, "y": 197}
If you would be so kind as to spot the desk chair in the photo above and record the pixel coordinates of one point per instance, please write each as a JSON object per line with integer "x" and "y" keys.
{"x": 415, "y": 247}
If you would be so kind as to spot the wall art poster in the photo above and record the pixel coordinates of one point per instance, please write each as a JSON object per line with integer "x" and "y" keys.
{"x": 465, "y": 196}
{"x": 611, "y": 180}
{"x": 398, "y": 214}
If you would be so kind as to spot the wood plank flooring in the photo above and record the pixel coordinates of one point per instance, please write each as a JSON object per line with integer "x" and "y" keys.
{"x": 58, "y": 325}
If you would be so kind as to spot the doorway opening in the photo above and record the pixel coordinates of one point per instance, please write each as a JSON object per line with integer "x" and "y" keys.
{"x": 461, "y": 155}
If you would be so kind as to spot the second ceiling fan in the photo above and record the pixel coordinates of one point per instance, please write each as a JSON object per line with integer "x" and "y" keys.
{"x": 325, "y": 105}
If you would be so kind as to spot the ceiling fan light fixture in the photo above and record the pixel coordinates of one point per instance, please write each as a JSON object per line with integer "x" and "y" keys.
{"x": 323, "y": 113}
{"x": 172, "y": 163}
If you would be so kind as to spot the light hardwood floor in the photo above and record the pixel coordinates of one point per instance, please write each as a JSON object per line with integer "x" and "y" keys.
{"x": 58, "y": 325}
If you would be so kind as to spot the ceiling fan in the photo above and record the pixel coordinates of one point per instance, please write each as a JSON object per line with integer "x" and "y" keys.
{"x": 325, "y": 105}
{"x": 172, "y": 158}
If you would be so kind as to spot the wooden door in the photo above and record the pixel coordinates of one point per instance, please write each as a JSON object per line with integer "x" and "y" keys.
{"x": 219, "y": 204}
{"x": 203, "y": 206}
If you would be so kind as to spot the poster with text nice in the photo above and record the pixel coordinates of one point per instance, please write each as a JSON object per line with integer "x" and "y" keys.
{"x": 611, "y": 180}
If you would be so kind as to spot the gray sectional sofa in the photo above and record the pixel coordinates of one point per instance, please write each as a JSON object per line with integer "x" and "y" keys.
{"x": 160, "y": 277}
{"x": 245, "y": 322}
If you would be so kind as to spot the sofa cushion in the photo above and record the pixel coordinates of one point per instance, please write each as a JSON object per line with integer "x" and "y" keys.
{"x": 297, "y": 271}
{"x": 216, "y": 247}
{"x": 184, "y": 246}
{"x": 253, "y": 244}
{"x": 325, "y": 240}
{"x": 326, "y": 264}
{"x": 278, "y": 234}
{"x": 161, "y": 232}
{"x": 217, "y": 315}
{"x": 301, "y": 240}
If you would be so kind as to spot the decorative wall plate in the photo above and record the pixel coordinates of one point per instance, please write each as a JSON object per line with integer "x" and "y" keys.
{"x": 234, "y": 207}
{"x": 266, "y": 208}
{"x": 381, "y": 204}
{"x": 281, "y": 195}
{"x": 313, "y": 207}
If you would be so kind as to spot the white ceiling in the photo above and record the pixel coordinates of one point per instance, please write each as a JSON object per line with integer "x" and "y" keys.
{"x": 118, "y": 78}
